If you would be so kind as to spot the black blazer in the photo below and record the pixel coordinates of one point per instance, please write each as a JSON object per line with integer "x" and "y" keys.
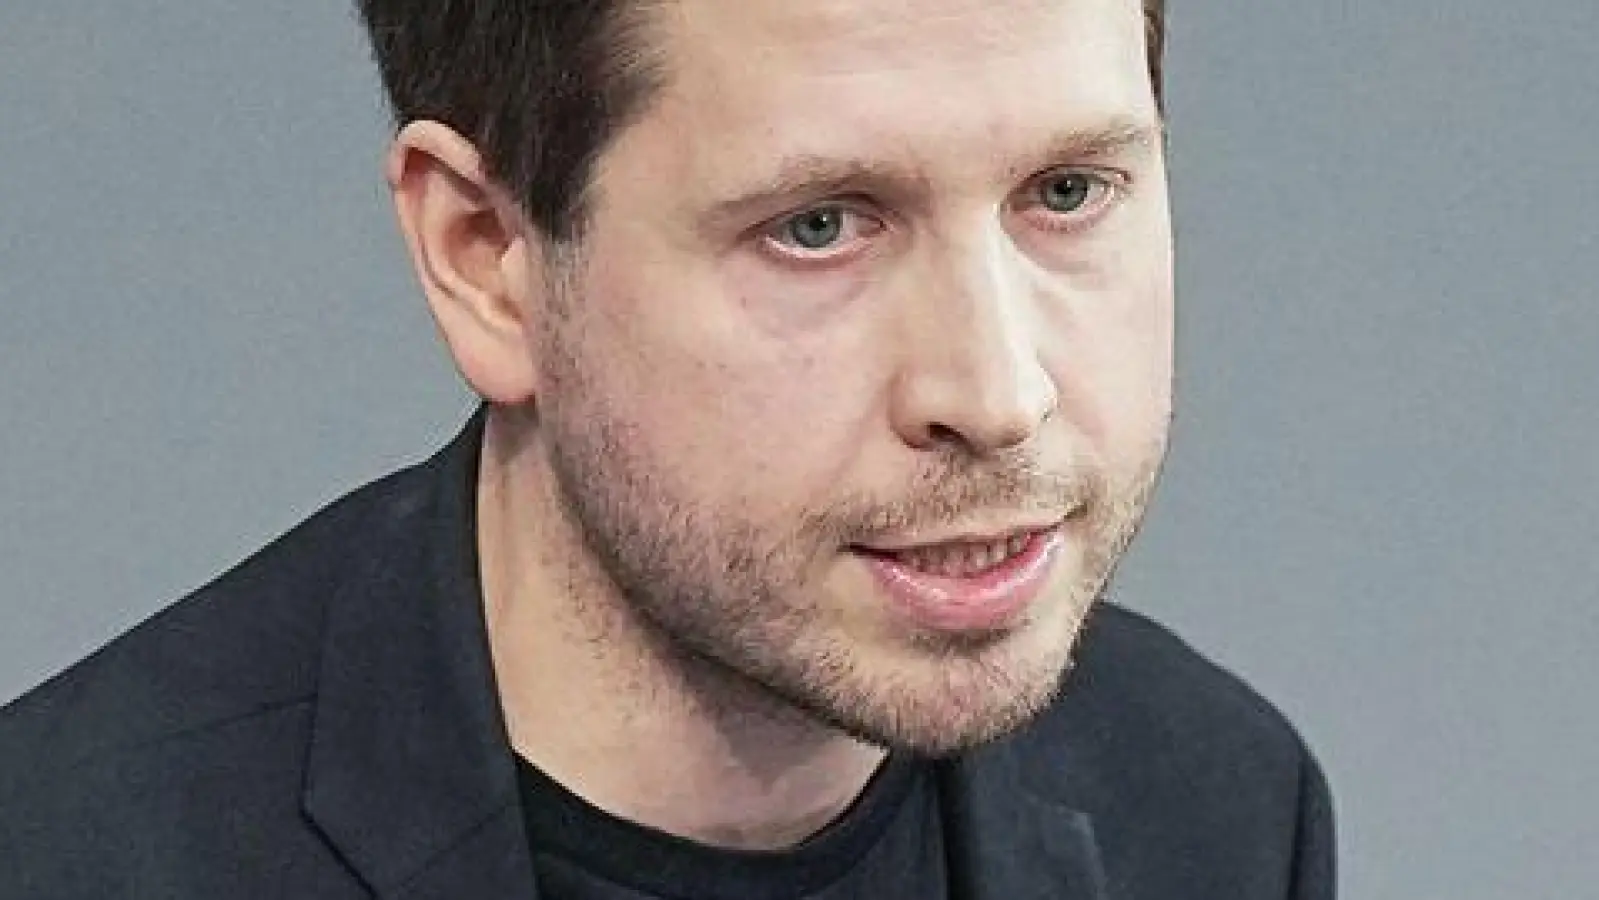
{"x": 321, "y": 722}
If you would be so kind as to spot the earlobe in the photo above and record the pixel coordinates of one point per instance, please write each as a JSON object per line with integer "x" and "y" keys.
{"x": 466, "y": 241}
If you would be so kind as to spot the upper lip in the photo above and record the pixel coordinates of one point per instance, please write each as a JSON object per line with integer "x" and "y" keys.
{"x": 963, "y": 536}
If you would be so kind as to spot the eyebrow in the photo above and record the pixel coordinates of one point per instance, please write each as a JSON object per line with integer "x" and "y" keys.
{"x": 1115, "y": 139}
{"x": 814, "y": 175}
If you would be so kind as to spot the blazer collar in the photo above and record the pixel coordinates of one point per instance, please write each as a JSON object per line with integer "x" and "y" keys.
{"x": 410, "y": 774}
{"x": 1005, "y": 838}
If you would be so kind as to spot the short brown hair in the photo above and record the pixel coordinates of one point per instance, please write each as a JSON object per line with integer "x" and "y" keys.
{"x": 541, "y": 87}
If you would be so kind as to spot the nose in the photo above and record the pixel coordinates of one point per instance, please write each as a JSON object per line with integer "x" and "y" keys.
{"x": 973, "y": 373}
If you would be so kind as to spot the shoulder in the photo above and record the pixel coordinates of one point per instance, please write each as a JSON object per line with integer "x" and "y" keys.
{"x": 1196, "y": 785}
{"x": 240, "y": 649}
{"x": 1139, "y": 678}
{"x": 174, "y": 760}
{"x": 1154, "y": 738}
{"x": 1152, "y": 678}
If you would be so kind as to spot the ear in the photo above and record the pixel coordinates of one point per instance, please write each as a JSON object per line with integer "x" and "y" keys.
{"x": 469, "y": 243}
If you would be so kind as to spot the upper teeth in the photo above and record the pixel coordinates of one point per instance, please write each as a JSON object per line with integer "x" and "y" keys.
{"x": 963, "y": 558}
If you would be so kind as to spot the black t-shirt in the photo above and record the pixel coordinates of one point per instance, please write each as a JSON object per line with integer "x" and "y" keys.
{"x": 887, "y": 844}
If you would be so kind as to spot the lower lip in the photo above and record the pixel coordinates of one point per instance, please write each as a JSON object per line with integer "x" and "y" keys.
{"x": 988, "y": 601}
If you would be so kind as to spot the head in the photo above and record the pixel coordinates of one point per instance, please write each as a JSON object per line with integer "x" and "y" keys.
{"x": 763, "y": 288}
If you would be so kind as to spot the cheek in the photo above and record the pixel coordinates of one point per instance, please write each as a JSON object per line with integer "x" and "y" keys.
{"x": 755, "y": 421}
{"x": 1140, "y": 389}
{"x": 1115, "y": 369}
{"x": 784, "y": 433}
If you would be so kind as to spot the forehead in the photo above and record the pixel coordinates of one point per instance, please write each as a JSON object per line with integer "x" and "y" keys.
{"x": 958, "y": 80}
{"x": 841, "y": 35}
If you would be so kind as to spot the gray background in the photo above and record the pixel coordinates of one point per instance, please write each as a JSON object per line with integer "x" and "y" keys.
{"x": 1382, "y": 499}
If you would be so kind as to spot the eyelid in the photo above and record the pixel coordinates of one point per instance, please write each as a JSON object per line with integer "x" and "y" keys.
{"x": 849, "y": 208}
{"x": 1111, "y": 185}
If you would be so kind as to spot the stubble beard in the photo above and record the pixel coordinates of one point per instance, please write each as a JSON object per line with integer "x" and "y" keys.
{"x": 728, "y": 599}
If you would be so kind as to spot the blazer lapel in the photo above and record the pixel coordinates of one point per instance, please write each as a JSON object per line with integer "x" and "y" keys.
{"x": 1003, "y": 841}
{"x": 410, "y": 775}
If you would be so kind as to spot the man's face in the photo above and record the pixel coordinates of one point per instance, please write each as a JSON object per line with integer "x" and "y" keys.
{"x": 866, "y": 277}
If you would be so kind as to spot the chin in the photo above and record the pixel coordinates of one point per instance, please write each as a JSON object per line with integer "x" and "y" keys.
{"x": 937, "y": 694}
{"x": 962, "y": 712}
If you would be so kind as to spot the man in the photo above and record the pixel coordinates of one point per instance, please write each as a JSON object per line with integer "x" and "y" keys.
{"x": 826, "y": 355}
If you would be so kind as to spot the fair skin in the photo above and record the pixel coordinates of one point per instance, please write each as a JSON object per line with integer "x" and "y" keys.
{"x": 698, "y": 427}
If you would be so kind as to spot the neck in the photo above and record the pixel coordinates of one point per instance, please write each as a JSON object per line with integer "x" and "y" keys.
{"x": 617, "y": 712}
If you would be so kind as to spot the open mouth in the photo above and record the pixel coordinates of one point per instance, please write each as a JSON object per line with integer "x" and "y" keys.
{"x": 960, "y": 559}
{"x": 966, "y": 586}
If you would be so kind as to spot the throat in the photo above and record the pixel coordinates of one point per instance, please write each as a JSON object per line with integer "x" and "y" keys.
{"x": 745, "y": 770}
{"x": 737, "y": 802}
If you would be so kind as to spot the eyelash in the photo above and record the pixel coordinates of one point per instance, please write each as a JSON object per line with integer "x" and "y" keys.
{"x": 1109, "y": 188}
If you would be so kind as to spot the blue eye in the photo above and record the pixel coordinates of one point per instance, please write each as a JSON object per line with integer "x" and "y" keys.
{"x": 1069, "y": 193}
{"x": 815, "y": 229}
